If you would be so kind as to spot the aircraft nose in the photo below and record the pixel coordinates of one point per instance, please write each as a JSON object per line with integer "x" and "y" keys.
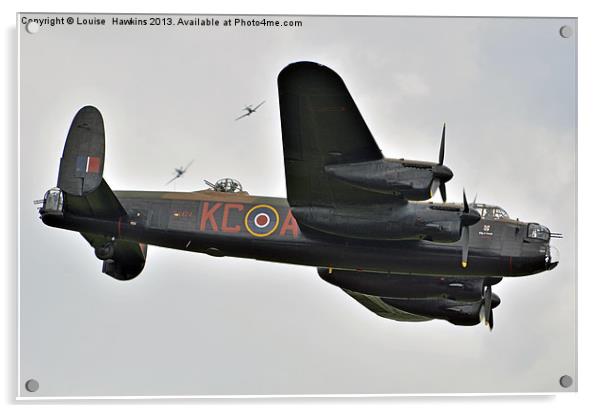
{"x": 552, "y": 257}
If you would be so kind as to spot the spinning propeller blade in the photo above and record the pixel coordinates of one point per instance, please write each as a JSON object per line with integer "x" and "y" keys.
{"x": 487, "y": 303}
{"x": 465, "y": 240}
{"x": 441, "y": 173}
{"x": 490, "y": 301}
{"x": 443, "y": 192}
{"x": 468, "y": 217}
{"x": 442, "y": 146}
{"x": 434, "y": 185}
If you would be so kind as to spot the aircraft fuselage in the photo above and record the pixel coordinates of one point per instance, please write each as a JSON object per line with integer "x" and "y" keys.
{"x": 264, "y": 228}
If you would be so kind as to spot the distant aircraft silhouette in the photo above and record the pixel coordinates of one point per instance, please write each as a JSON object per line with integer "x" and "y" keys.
{"x": 179, "y": 172}
{"x": 250, "y": 109}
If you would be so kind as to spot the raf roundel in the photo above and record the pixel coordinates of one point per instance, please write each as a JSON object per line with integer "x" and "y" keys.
{"x": 262, "y": 220}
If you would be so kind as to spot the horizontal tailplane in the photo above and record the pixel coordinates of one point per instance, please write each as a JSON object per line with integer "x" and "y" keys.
{"x": 122, "y": 260}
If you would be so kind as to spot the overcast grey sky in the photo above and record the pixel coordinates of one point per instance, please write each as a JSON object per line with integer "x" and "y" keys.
{"x": 194, "y": 324}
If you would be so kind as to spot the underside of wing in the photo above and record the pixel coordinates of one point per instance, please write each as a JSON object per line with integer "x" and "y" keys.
{"x": 459, "y": 300}
{"x": 379, "y": 307}
{"x": 321, "y": 125}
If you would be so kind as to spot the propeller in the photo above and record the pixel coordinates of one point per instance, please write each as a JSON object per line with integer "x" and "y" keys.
{"x": 474, "y": 201}
{"x": 441, "y": 173}
{"x": 442, "y": 146}
{"x": 468, "y": 217}
{"x": 443, "y": 192}
{"x": 490, "y": 301}
{"x": 488, "y": 296}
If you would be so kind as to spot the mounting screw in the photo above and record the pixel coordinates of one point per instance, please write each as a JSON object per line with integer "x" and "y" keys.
{"x": 566, "y": 31}
{"x": 32, "y": 27}
{"x": 32, "y": 385}
{"x": 566, "y": 381}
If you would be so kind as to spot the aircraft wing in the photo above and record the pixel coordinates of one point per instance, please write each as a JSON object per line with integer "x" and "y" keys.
{"x": 321, "y": 125}
{"x": 381, "y": 308}
{"x": 458, "y": 300}
{"x": 242, "y": 116}
{"x": 172, "y": 179}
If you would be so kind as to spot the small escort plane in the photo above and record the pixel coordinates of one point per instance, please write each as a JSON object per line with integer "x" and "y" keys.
{"x": 179, "y": 172}
{"x": 352, "y": 213}
{"x": 250, "y": 110}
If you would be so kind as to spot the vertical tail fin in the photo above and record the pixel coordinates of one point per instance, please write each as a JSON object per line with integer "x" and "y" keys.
{"x": 83, "y": 158}
{"x": 82, "y": 166}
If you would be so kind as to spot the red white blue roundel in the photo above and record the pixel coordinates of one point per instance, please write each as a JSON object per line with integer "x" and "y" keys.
{"x": 262, "y": 220}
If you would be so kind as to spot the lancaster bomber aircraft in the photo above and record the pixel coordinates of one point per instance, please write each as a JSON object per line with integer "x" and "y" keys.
{"x": 349, "y": 211}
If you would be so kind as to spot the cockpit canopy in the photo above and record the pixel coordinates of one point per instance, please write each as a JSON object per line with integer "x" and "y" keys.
{"x": 491, "y": 211}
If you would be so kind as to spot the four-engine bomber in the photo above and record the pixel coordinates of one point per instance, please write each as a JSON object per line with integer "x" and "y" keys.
{"x": 349, "y": 211}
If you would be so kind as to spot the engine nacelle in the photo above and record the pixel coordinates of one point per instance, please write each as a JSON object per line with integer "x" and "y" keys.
{"x": 412, "y": 180}
{"x": 383, "y": 222}
{"x": 408, "y": 286}
{"x": 464, "y": 313}
{"x": 459, "y": 300}
{"x": 456, "y": 312}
